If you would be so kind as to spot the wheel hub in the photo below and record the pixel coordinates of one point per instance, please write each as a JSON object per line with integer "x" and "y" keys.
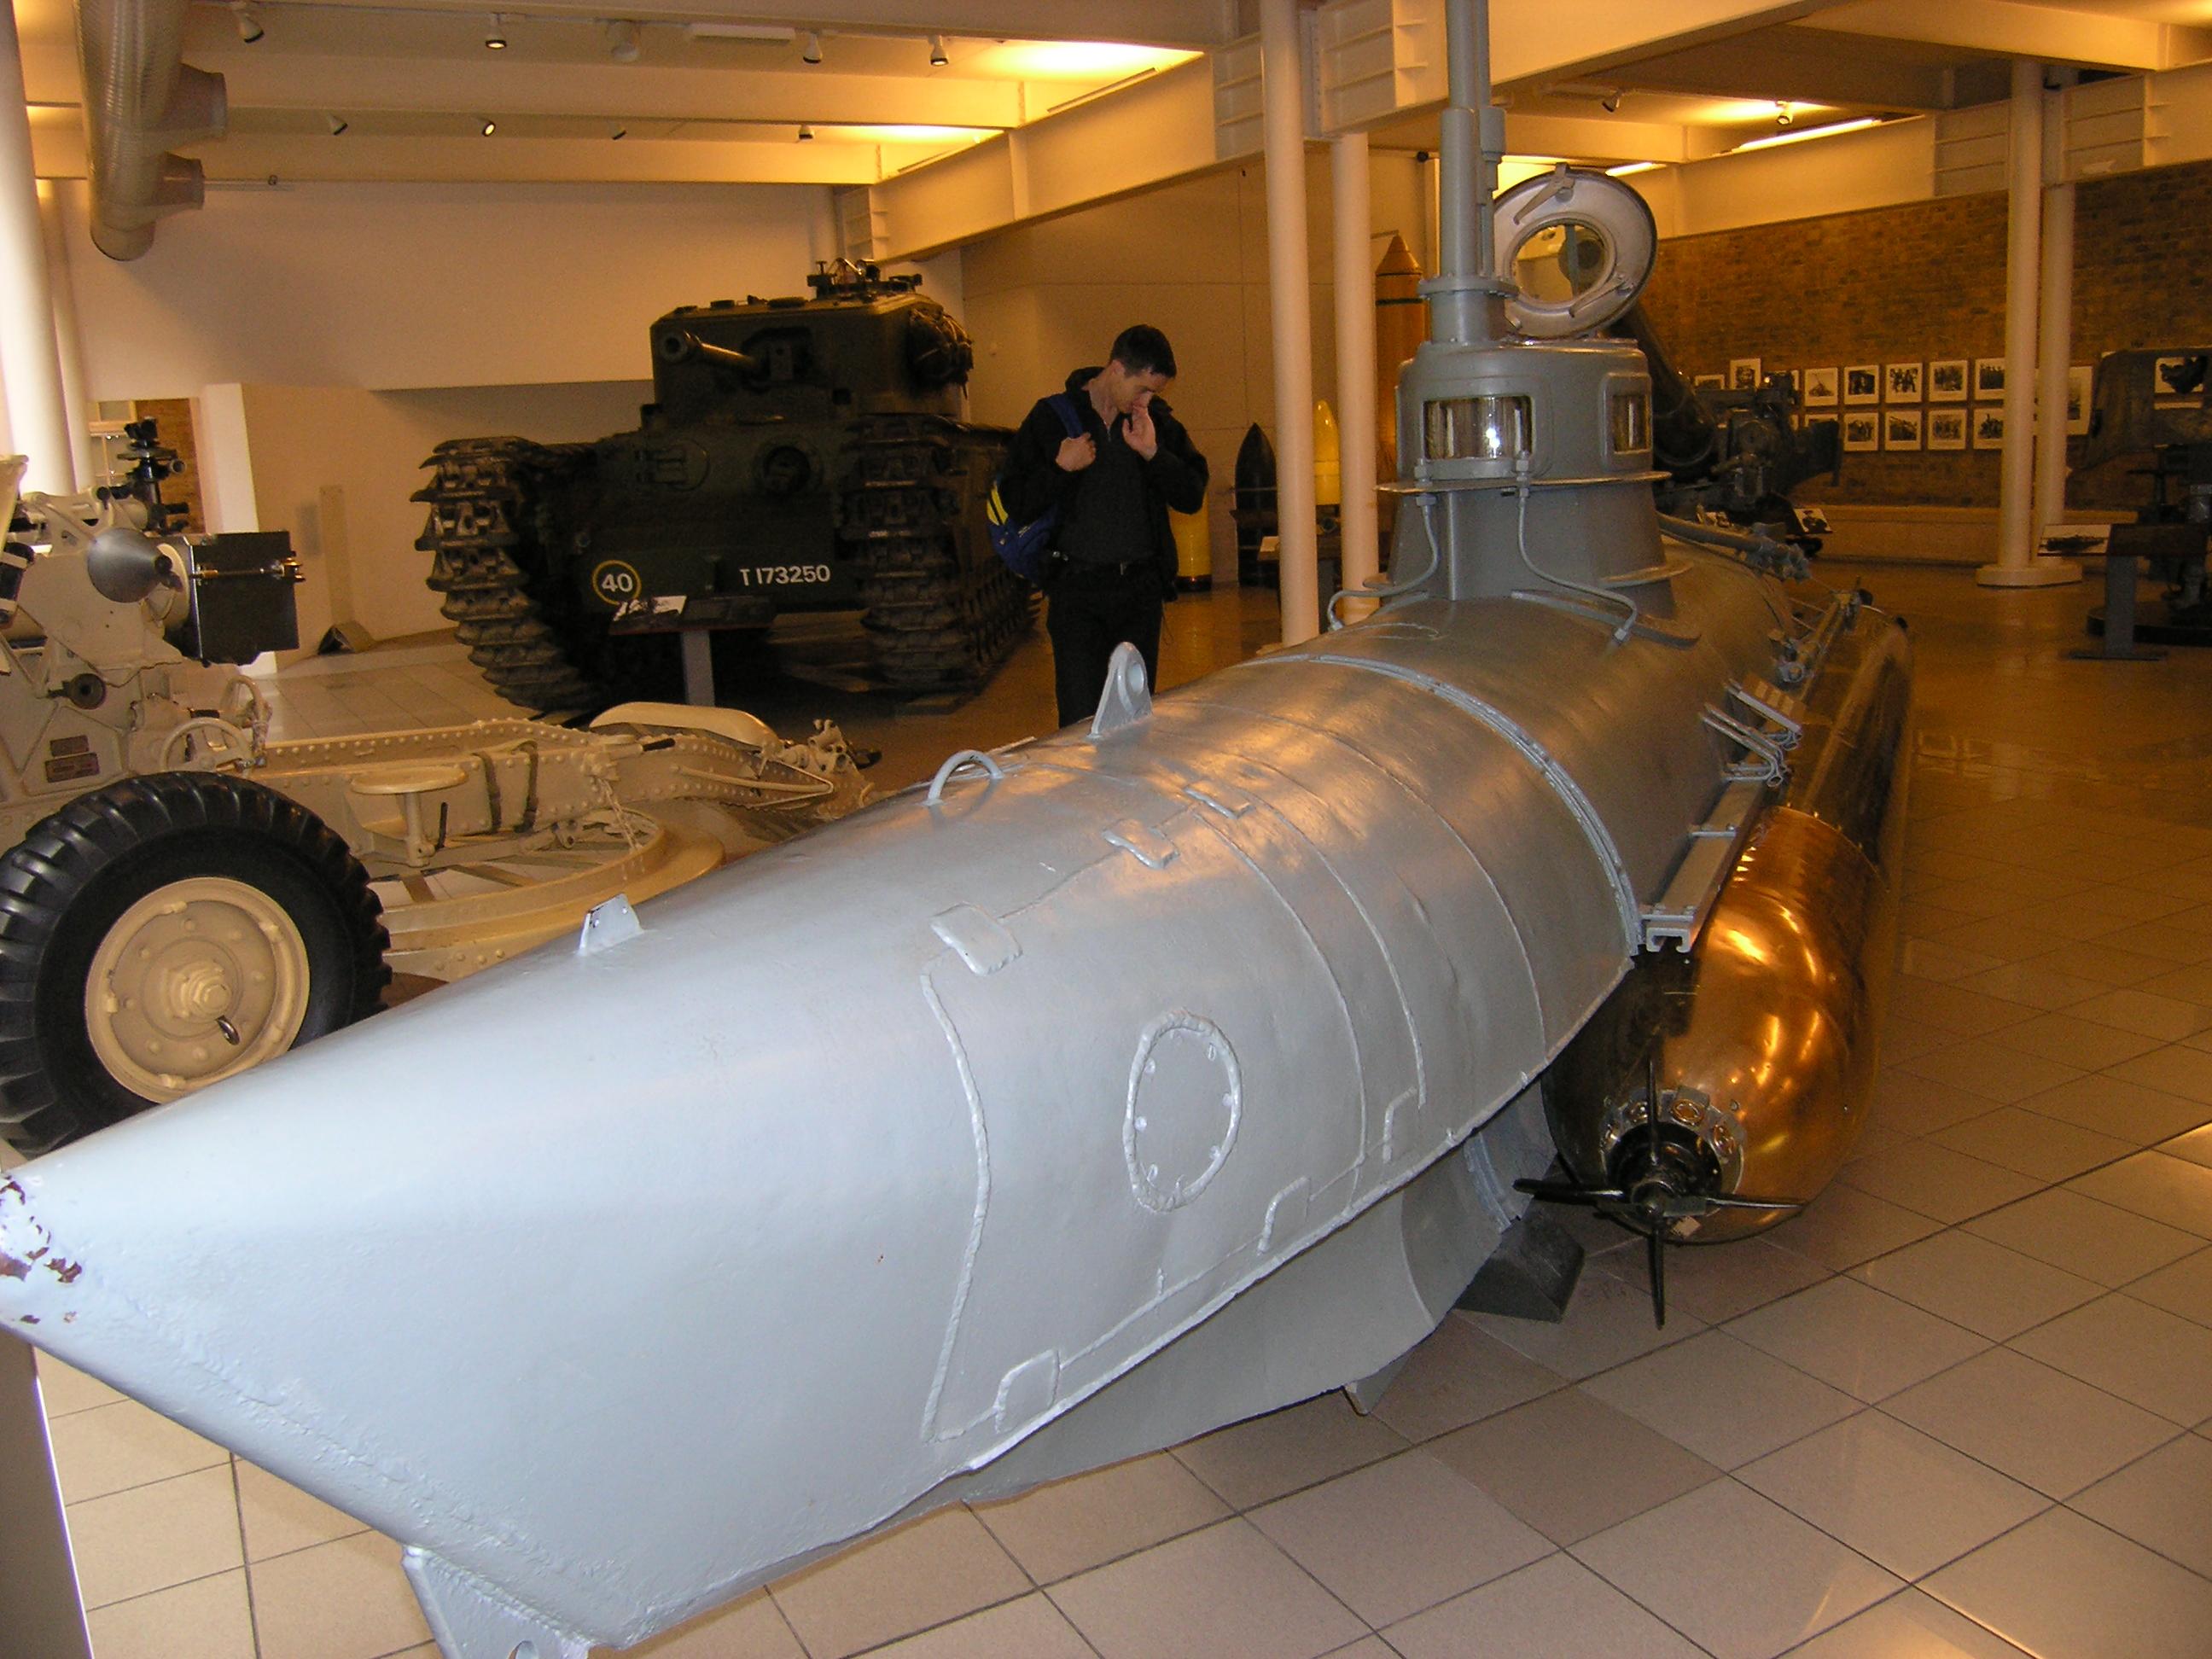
{"x": 197, "y": 980}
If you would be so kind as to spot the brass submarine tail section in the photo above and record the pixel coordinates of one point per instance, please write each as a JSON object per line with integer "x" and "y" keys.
{"x": 1109, "y": 1088}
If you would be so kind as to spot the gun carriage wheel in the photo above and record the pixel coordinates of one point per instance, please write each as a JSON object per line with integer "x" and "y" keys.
{"x": 166, "y": 930}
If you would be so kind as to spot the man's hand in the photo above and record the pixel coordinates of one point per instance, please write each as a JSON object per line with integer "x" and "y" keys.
{"x": 1076, "y": 454}
{"x": 1139, "y": 432}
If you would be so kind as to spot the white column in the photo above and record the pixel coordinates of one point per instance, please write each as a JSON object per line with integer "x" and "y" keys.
{"x": 83, "y": 451}
{"x": 1355, "y": 352}
{"x": 2055, "y": 312}
{"x": 36, "y": 418}
{"x": 2016, "y": 564}
{"x": 1291, "y": 305}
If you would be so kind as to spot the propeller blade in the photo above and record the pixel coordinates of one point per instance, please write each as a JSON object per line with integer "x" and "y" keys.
{"x": 1562, "y": 1192}
{"x": 1656, "y": 1255}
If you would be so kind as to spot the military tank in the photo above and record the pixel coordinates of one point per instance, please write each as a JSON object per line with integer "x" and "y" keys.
{"x": 802, "y": 453}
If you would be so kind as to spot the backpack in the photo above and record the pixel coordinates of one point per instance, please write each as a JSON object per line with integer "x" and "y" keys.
{"x": 1024, "y": 547}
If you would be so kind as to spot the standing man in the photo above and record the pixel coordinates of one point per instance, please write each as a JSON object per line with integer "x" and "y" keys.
{"x": 1112, "y": 562}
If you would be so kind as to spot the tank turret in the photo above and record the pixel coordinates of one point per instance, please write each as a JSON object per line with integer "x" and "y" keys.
{"x": 800, "y": 453}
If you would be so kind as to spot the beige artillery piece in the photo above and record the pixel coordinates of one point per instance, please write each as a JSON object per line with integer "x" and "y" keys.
{"x": 182, "y": 898}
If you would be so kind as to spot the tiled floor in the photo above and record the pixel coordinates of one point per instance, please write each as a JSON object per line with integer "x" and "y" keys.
{"x": 1963, "y": 1406}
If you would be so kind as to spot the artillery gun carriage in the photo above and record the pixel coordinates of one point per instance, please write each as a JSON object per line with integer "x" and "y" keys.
{"x": 182, "y": 898}
{"x": 799, "y": 455}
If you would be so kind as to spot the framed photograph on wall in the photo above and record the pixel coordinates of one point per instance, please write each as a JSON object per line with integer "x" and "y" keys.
{"x": 1901, "y": 383}
{"x": 1863, "y": 384}
{"x": 1715, "y": 382}
{"x": 1820, "y": 385}
{"x": 1947, "y": 427}
{"x": 1989, "y": 427}
{"x": 2079, "y": 381}
{"x": 1743, "y": 374}
{"x": 1861, "y": 430}
{"x": 1900, "y": 429}
{"x": 1946, "y": 380}
{"x": 1988, "y": 377}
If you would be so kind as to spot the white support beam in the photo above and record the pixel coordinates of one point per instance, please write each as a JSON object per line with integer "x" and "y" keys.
{"x": 1810, "y": 64}
{"x": 30, "y": 361}
{"x": 1290, "y": 313}
{"x": 2017, "y": 564}
{"x": 1354, "y": 307}
{"x": 2091, "y": 39}
{"x": 1186, "y": 25}
{"x": 353, "y": 85}
{"x": 1160, "y": 129}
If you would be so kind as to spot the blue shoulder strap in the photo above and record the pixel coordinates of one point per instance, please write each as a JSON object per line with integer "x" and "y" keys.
{"x": 1063, "y": 406}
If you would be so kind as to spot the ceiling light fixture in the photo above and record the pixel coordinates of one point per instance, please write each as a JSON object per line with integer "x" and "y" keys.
{"x": 1611, "y": 102}
{"x": 249, "y": 23}
{"x": 337, "y": 124}
{"x": 618, "y": 131}
{"x": 1798, "y": 135}
{"x": 806, "y": 133}
{"x": 810, "y": 46}
{"x": 1783, "y": 115}
{"x": 496, "y": 36}
{"x": 937, "y": 57}
{"x": 489, "y": 127}
{"x": 1629, "y": 169}
{"x": 622, "y": 41}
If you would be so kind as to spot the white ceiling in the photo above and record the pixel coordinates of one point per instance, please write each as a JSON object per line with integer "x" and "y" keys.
{"x": 413, "y": 83}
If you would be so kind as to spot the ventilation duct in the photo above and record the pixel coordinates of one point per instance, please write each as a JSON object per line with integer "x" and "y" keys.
{"x": 139, "y": 100}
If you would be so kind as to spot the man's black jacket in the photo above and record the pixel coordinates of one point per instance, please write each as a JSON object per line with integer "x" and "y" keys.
{"x": 1033, "y": 482}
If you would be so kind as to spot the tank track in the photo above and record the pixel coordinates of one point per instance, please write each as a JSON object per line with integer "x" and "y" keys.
{"x": 942, "y": 610}
{"x": 493, "y": 509}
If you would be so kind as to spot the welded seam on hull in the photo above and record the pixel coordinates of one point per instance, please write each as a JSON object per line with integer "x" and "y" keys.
{"x": 1187, "y": 779}
{"x": 1165, "y": 1293}
{"x": 982, "y": 1207}
{"x": 1562, "y": 781}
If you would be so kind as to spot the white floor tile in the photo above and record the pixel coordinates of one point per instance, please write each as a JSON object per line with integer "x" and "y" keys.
{"x": 1989, "y": 1289}
{"x": 1557, "y": 1608}
{"x": 1739, "y": 1574}
{"x": 1898, "y": 1497}
{"x": 1399, "y": 1535}
{"x": 2144, "y": 1354}
{"x": 940, "y": 1567}
{"x": 2062, "y": 1584}
{"x": 1856, "y": 1338}
{"x": 1265, "y": 1457}
{"x": 1226, "y": 1592}
{"x": 1722, "y": 1398}
{"x": 2075, "y": 1232}
{"x": 1911, "y": 1625}
{"x": 2042, "y": 1427}
{"x": 1460, "y": 1374}
{"x": 1075, "y": 1524}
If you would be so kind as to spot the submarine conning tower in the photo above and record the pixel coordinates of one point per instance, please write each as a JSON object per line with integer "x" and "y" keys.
{"x": 1527, "y": 452}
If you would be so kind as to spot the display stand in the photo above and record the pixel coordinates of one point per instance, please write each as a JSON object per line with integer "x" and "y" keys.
{"x": 41, "y": 1609}
{"x": 695, "y": 620}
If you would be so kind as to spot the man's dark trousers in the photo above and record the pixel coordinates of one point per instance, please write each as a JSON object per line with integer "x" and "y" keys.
{"x": 1094, "y": 608}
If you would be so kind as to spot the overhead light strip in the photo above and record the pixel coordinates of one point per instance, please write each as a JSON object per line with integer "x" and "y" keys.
{"x": 1799, "y": 134}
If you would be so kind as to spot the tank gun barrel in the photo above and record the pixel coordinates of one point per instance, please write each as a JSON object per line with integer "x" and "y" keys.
{"x": 681, "y": 345}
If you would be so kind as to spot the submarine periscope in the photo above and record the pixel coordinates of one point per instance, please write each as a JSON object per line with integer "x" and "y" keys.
{"x": 1106, "y": 1090}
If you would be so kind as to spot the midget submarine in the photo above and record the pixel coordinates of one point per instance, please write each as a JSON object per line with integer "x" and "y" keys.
{"x": 1106, "y": 1089}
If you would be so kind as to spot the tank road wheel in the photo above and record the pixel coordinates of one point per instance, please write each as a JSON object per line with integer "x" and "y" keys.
{"x": 164, "y": 931}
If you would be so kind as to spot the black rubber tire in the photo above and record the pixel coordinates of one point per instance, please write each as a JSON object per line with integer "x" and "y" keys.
{"x": 68, "y": 881}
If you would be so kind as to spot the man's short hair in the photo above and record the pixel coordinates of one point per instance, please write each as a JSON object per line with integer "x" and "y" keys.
{"x": 1143, "y": 349}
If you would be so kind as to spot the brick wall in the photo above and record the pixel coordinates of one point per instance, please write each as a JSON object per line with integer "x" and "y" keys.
{"x": 1924, "y": 281}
